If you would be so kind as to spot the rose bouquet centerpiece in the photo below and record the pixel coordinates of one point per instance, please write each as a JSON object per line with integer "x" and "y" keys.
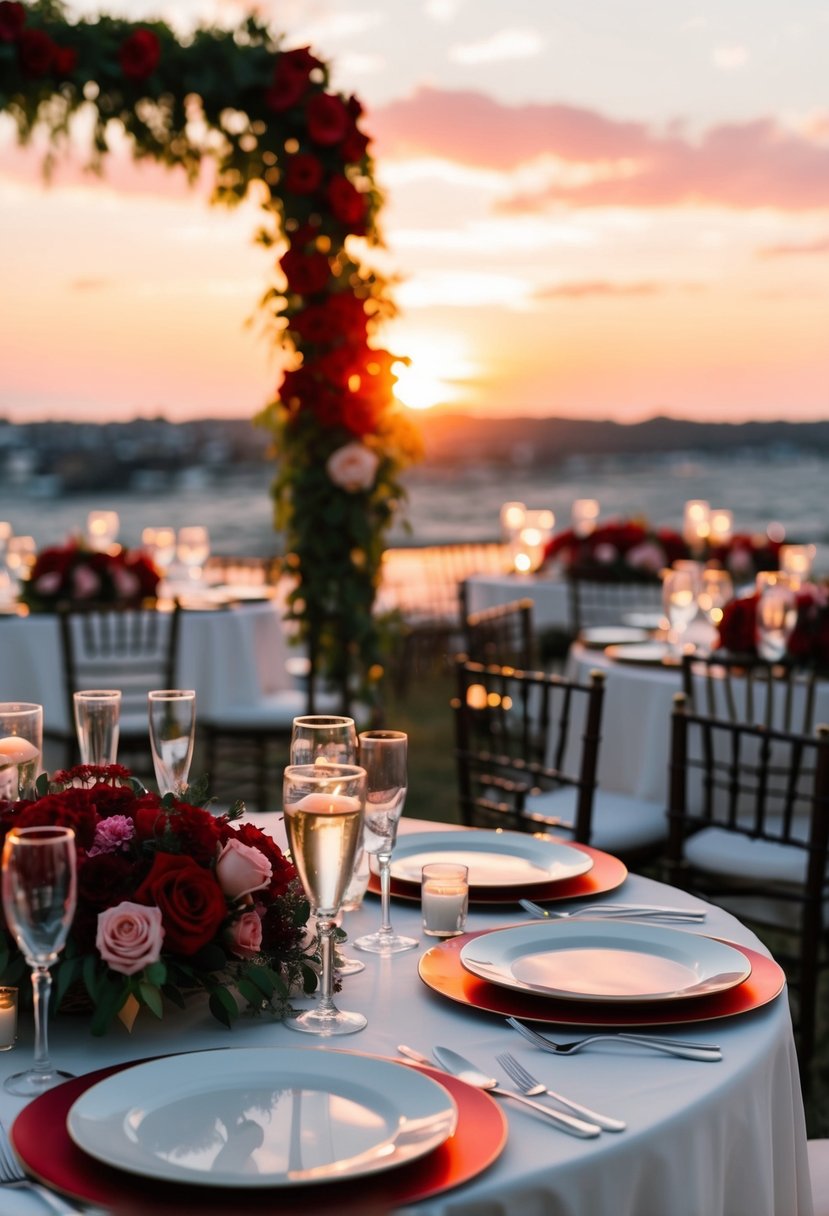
{"x": 745, "y": 554}
{"x": 171, "y": 899}
{"x": 617, "y": 551}
{"x": 808, "y": 643}
{"x": 70, "y": 574}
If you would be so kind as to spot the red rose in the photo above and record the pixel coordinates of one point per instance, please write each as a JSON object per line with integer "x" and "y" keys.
{"x": 300, "y": 61}
{"x": 361, "y": 414}
{"x": 190, "y": 900}
{"x": 303, "y": 236}
{"x": 37, "y": 52}
{"x": 290, "y": 79}
{"x": 112, "y": 799}
{"x": 347, "y": 314}
{"x": 307, "y": 273}
{"x": 737, "y": 631}
{"x": 66, "y": 60}
{"x": 303, "y": 174}
{"x": 327, "y": 119}
{"x": 338, "y": 365}
{"x": 354, "y": 147}
{"x": 311, "y": 324}
{"x": 297, "y": 387}
{"x": 71, "y": 809}
{"x": 347, "y": 204}
{"x": 139, "y": 55}
{"x": 104, "y": 880}
{"x": 12, "y": 20}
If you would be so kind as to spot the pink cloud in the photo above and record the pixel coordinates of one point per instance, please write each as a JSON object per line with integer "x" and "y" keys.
{"x": 591, "y": 288}
{"x": 738, "y": 165}
{"x": 820, "y": 245}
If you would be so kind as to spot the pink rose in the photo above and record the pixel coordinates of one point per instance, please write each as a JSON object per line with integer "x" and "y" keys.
{"x": 647, "y": 556}
{"x": 48, "y": 583}
{"x": 244, "y": 937}
{"x": 353, "y": 467}
{"x": 242, "y": 868}
{"x": 85, "y": 582}
{"x": 129, "y": 937}
{"x": 606, "y": 553}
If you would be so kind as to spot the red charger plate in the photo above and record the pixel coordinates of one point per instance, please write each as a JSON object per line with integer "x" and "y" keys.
{"x": 441, "y": 969}
{"x": 608, "y": 872}
{"x": 43, "y": 1144}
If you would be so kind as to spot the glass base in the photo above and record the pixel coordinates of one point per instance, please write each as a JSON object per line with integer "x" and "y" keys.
{"x": 385, "y": 943}
{"x": 337, "y": 1022}
{"x": 344, "y": 965}
{"x": 31, "y": 1083}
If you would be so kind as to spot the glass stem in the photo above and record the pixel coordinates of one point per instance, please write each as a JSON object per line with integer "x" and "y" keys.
{"x": 41, "y": 990}
{"x": 325, "y": 929}
{"x": 385, "y": 893}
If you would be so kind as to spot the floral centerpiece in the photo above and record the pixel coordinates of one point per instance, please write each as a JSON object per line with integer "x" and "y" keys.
{"x": 617, "y": 551}
{"x": 744, "y": 554}
{"x": 74, "y": 574}
{"x": 171, "y": 898}
{"x": 808, "y": 643}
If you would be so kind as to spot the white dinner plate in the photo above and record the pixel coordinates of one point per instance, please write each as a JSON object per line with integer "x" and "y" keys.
{"x": 650, "y": 654}
{"x": 612, "y": 635}
{"x": 605, "y": 961}
{"x": 495, "y": 859}
{"x": 262, "y": 1116}
{"x": 651, "y": 621}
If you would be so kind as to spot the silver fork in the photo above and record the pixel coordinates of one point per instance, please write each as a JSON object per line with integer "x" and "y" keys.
{"x": 532, "y": 1087}
{"x": 11, "y": 1174}
{"x": 617, "y": 912}
{"x": 708, "y": 1052}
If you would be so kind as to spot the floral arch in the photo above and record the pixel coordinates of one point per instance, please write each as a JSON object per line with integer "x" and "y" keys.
{"x": 268, "y": 120}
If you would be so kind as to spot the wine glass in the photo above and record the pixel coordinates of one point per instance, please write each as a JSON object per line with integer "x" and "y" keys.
{"x": 776, "y": 613}
{"x": 21, "y": 748}
{"x": 332, "y": 738}
{"x": 679, "y": 600}
{"x": 172, "y": 713}
{"x": 383, "y": 756}
{"x": 324, "y": 806}
{"x": 716, "y": 590}
{"x": 39, "y": 893}
{"x": 97, "y": 718}
{"x": 193, "y": 549}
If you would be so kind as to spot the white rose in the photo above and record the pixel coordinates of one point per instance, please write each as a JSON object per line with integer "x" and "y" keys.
{"x": 353, "y": 467}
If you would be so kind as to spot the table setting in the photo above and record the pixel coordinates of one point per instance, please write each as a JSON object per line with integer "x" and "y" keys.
{"x": 662, "y": 1012}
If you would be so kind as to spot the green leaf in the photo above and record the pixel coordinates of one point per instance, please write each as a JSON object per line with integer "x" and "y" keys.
{"x": 64, "y": 974}
{"x": 151, "y": 996}
{"x": 223, "y": 1007}
{"x": 262, "y": 977}
{"x": 174, "y": 995}
{"x": 251, "y": 993}
{"x": 156, "y": 974}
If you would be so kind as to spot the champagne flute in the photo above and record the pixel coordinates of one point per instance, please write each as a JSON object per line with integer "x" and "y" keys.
{"x": 679, "y": 600}
{"x": 172, "y": 714}
{"x": 383, "y": 756}
{"x": 716, "y": 590}
{"x": 324, "y": 806}
{"x": 97, "y": 717}
{"x": 39, "y": 893}
{"x": 776, "y": 613}
{"x": 193, "y": 549}
{"x": 332, "y": 738}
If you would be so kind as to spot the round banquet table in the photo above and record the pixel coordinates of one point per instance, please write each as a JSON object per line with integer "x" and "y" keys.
{"x": 636, "y": 722}
{"x": 703, "y": 1139}
{"x": 549, "y": 594}
{"x": 230, "y": 656}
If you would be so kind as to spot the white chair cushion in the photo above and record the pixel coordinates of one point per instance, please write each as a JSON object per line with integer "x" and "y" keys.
{"x": 718, "y": 851}
{"x": 819, "y": 1174}
{"x": 620, "y": 822}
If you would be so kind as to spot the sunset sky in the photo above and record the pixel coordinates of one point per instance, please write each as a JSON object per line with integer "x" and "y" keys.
{"x": 603, "y": 208}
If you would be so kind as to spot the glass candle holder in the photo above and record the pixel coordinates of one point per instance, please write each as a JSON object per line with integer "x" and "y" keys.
{"x": 444, "y": 898}
{"x": 8, "y": 1018}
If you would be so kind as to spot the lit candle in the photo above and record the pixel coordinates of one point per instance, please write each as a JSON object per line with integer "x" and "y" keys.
{"x": 695, "y": 526}
{"x": 797, "y": 560}
{"x": 444, "y": 899}
{"x": 102, "y": 529}
{"x": 720, "y": 524}
{"x": 8, "y": 1018}
{"x": 584, "y": 513}
{"x": 512, "y": 518}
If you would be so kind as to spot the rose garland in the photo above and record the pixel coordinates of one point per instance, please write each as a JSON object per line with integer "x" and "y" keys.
{"x": 264, "y": 115}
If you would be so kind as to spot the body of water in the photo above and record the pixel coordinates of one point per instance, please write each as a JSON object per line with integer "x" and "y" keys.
{"x": 462, "y": 503}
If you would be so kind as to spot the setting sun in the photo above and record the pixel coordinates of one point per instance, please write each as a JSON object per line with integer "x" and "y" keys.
{"x": 437, "y": 370}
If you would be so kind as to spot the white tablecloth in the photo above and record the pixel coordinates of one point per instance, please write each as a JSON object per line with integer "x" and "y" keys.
{"x": 229, "y": 656}
{"x": 723, "y": 1139}
{"x": 636, "y": 722}
{"x": 550, "y": 595}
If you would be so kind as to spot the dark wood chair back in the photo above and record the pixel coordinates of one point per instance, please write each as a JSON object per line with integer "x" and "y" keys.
{"x": 748, "y": 689}
{"x": 513, "y": 731}
{"x": 595, "y": 603}
{"x": 733, "y": 781}
{"x": 502, "y": 635}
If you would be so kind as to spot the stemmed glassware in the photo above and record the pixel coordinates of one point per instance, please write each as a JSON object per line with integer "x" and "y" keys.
{"x": 776, "y": 613}
{"x": 679, "y": 600}
{"x": 716, "y": 590}
{"x": 97, "y": 718}
{"x": 39, "y": 886}
{"x": 193, "y": 549}
{"x": 383, "y": 756}
{"x": 332, "y": 738}
{"x": 324, "y": 806}
{"x": 172, "y": 714}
